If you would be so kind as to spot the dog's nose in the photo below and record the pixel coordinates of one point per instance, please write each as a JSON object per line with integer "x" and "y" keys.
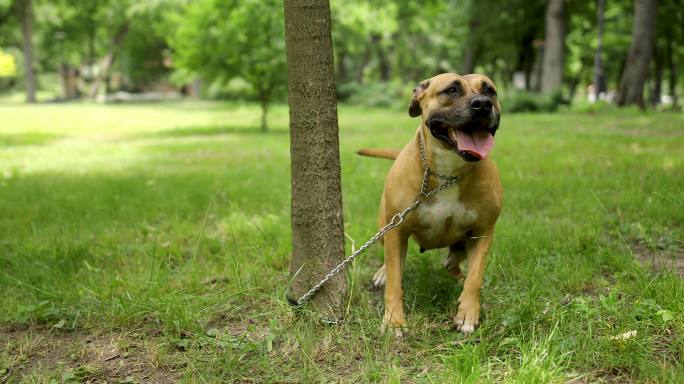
{"x": 481, "y": 104}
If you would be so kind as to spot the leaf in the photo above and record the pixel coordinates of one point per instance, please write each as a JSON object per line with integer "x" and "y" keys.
{"x": 60, "y": 324}
{"x": 665, "y": 315}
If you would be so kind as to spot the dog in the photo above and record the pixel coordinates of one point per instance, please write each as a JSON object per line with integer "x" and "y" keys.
{"x": 459, "y": 119}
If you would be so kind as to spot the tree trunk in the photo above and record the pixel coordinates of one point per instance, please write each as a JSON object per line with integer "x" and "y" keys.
{"x": 640, "y": 53}
{"x": 656, "y": 91}
{"x": 672, "y": 67}
{"x": 537, "y": 68}
{"x": 69, "y": 81}
{"x": 525, "y": 60}
{"x": 92, "y": 32}
{"x": 470, "y": 53}
{"x": 572, "y": 87}
{"x": 342, "y": 66}
{"x": 108, "y": 60}
{"x": 264, "y": 112}
{"x": 600, "y": 84}
{"x": 317, "y": 223}
{"x": 383, "y": 62}
{"x": 195, "y": 89}
{"x": 364, "y": 62}
{"x": 554, "y": 47}
{"x": 26, "y": 10}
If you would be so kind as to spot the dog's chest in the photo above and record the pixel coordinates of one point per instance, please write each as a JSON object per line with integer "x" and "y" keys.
{"x": 443, "y": 219}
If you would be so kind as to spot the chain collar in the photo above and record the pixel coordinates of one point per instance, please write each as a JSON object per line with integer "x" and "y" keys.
{"x": 426, "y": 167}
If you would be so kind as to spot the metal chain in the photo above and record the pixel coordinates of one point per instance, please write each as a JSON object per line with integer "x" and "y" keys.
{"x": 396, "y": 220}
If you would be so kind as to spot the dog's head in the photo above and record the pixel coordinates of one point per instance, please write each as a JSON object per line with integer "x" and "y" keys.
{"x": 461, "y": 112}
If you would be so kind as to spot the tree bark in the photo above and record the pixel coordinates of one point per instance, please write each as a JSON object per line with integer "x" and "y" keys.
{"x": 600, "y": 84}
{"x": 470, "y": 53}
{"x": 525, "y": 60}
{"x": 364, "y": 63}
{"x": 317, "y": 222}
{"x": 26, "y": 10}
{"x": 69, "y": 81}
{"x": 631, "y": 89}
{"x": 383, "y": 62}
{"x": 671, "y": 47}
{"x": 108, "y": 60}
{"x": 265, "y": 99}
{"x": 554, "y": 47}
{"x": 656, "y": 90}
{"x": 342, "y": 73}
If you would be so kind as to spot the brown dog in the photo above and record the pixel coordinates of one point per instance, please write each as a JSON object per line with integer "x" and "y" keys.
{"x": 460, "y": 115}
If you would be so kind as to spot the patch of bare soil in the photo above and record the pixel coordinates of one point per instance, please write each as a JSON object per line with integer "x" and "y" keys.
{"x": 601, "y": 377}
{"x": 82, "y": 357}
{"x": 660, "y": 260}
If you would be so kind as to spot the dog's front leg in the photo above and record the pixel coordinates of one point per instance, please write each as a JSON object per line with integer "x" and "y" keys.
{"x": 395, "y": 251}
{"x": 468, "y": 315}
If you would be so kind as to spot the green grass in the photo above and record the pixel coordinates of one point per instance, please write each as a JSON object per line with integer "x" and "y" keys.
{"x": 161, "y": 231}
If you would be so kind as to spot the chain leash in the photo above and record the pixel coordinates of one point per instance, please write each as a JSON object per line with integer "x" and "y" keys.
{"x": 396, "y": 220}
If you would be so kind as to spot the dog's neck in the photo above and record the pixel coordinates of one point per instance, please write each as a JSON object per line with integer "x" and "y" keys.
{"x": 440, "y": 159}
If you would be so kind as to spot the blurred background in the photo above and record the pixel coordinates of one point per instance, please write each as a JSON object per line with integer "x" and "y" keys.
{"x": 145, "y": 192}
{"x": 542, "y": 54}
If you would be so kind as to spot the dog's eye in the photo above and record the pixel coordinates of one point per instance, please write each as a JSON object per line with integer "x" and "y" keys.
{"x": 489, "y": 91}
{"x": 452, "y": 91}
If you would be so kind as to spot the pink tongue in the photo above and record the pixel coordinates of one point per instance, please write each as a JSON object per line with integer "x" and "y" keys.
{"x": 477, "y": 143}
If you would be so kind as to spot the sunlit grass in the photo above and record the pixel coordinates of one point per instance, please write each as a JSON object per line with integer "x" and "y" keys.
{"x": 172, "y": 220}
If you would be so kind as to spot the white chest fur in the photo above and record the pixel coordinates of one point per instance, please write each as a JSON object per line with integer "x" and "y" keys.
{"x": 443, "y": 219}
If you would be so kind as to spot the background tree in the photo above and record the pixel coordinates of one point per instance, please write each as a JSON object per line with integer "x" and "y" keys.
{"x": 599, "y": 78}
{"x": 582, "y": 42}
{"x": 25, "y": 9}
{"x": 554, "y": 47}
{"x": 317, "y": 224}
{"x": 235, "y": 49}
{"x": 224, "y": 39}
{"x": 670, "y": 14}
{"x": 631, "y": 89}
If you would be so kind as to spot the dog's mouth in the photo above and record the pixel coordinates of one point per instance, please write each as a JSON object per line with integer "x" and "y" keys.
{"x": 472, "y": 141}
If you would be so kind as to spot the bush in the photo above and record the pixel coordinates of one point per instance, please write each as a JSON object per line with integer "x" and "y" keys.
{"x": 597, "y": 107}
{"x": 530, "y": 102}
{"x": 384, "y": 95}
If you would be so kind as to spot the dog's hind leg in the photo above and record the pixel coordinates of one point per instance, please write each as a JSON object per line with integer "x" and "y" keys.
{"x": 380, "y": 277}
{"x": 457, "y": 253}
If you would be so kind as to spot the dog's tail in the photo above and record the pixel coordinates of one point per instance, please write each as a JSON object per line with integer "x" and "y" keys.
{"x": 384, "y": 153}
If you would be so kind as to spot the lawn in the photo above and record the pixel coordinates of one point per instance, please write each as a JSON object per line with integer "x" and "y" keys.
{"x": 150, "y": 243}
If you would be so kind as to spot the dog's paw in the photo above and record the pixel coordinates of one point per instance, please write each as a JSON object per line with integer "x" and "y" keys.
{"x": 380, "y": 277}
{"x": 393, "y": 322}
{"x": 395, "y": 329}
{"x": 467, "y": 318}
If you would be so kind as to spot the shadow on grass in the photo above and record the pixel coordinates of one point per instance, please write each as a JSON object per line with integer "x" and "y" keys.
{"x": 214, "y": 130}
{"x": 28, "y": 138}
{"x": 429, "y": 288}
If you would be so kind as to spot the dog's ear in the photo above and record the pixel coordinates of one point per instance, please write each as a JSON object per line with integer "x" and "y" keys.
{"x": 414, "y": 106}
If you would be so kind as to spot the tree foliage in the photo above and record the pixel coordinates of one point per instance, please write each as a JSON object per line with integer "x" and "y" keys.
{"x": 223, "y": 39}
{"x": 382, "y": 47}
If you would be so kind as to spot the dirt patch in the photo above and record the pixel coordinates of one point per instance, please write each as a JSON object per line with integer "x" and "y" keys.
{"x": 49, "y": 355}
{"x": 660, "y": 260}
